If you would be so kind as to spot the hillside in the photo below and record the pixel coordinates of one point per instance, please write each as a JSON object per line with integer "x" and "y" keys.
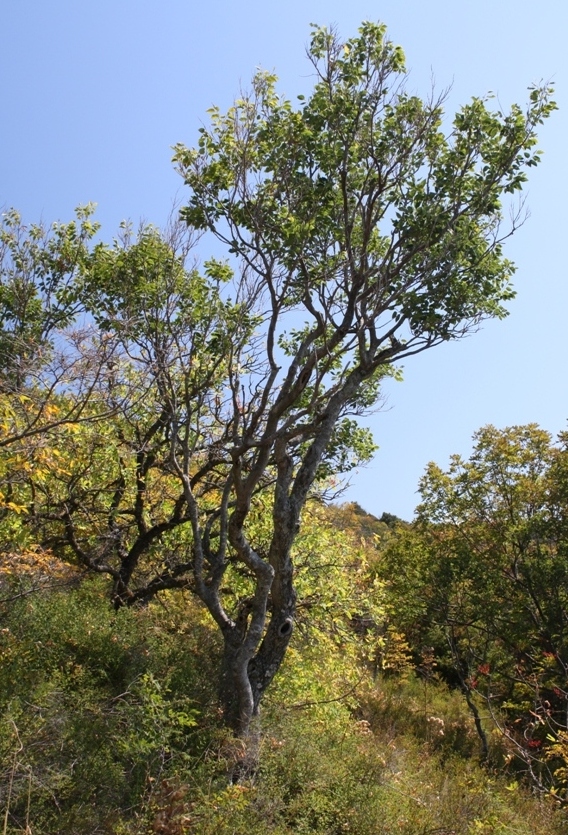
{"x": 110, "y": 722}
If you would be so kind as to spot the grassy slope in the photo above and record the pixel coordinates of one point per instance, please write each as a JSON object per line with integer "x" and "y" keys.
{"x": 109, "y": 725}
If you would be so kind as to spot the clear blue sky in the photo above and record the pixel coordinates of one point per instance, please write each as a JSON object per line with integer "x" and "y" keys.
{"x": 95, "y": 94}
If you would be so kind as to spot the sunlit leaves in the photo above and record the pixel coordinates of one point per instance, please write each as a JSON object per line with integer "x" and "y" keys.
{"x": 362, "y": 183}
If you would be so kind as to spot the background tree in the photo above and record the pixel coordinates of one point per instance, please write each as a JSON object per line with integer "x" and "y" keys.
{"x": 47, "y": 349}
{"x": 52, "y": 365}
{"x": 39, "y": 270}
{"x": 484, "y": 576}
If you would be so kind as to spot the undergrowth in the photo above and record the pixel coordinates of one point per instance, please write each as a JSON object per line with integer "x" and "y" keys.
{"x": 109, "y": 725}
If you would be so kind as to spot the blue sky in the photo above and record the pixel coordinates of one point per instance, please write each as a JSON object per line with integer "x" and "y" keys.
{"x": 95, "y": 94}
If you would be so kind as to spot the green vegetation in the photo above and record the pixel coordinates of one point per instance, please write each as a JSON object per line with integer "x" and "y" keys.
{"x": 482, "y": 579}
{"x": 110, "y": 720}
{"x": 169, "y": 436}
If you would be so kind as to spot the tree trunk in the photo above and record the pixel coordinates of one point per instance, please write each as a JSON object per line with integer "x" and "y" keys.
{"x": 242, "y": 685}
{"x": 240, "y": 710}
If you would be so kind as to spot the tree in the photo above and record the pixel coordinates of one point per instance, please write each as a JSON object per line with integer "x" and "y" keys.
{"x": 38, "y": 290}
{"x": 357, "y": 233}
{"x": 482, "y": 576}
{"x": 362, "y": 234}
{"x": 119, "y": 506}
{"x": 44, "y": 355}
{"x": 51, "y": 363}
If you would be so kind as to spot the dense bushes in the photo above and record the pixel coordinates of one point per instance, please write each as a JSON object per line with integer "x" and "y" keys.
{"x": 109, "y": 725}
{"x": 481, "y": 578}
{"x": 96, "y": 706}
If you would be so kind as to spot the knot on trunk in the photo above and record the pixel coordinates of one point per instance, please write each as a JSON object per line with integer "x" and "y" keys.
{"x": 285, "y": 628}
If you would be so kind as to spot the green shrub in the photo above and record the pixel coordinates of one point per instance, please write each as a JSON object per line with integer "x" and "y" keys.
{"x": 96, "y": 707}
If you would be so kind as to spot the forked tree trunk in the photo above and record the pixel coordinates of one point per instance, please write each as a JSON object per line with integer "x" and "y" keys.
{"x": 242, "y": 685}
